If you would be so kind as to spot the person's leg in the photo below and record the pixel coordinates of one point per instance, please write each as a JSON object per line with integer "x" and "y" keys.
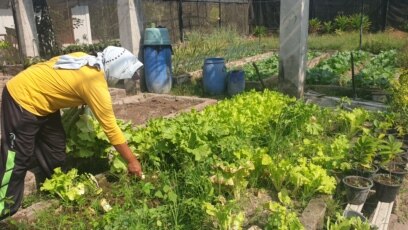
{"x": 50, "y": 144}
{"x": 18, "y": 131}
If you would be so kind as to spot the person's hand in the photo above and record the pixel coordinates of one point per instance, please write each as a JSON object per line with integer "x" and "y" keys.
{"x": 135, "y": 168}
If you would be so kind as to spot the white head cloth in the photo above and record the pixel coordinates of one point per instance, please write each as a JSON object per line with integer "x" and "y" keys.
{"x": 117, "y": 62}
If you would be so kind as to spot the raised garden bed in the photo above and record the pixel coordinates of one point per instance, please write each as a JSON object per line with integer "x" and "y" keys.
{"x": 142, "y": 107}
{"x": 377, "y": 95}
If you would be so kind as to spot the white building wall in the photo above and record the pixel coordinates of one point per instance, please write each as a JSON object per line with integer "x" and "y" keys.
{"x": 82, "y": 24}
{"x": 6, "y": 20}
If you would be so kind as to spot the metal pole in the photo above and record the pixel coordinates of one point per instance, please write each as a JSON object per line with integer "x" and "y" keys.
{"x": 386, "y": 14}
{"x": 219, "y": 13}
{"x": 361, "y": 23}
{"x": 352, "y": 76}
{"x": 180, "y": 15}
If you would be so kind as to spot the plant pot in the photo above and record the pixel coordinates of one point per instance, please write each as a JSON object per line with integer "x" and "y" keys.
{"x": 366, "y": 172}
{"x": 401, "y": 159}
{"x": 404, "y": 157}
{"x": 357, "y": 189}
{"x": 395, "y": 169}
{"x": 392, "y": 131}
{"x": 351, "y": 213}
{"x": 386, "y": 187}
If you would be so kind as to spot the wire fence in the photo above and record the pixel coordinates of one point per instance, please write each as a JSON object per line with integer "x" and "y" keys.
{"x": 182, "y": 17}
{"x": 179, "y": 17}
{"x": 96, "y": 21}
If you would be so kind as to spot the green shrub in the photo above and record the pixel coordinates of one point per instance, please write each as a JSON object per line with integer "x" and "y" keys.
{"x": 399, "y": 101}
{"x": 342, "y": 23}
{"x": 355, "y": 22}
{"x": 32, "y": 61}
{"x": 4, "y": 45}
{"x": 328, "y": 27}
{"x": 402, "y": 57}
{"x": 91, "y": 48}
{"x": 260, "y": 31}
{"x": 315, "y": 26}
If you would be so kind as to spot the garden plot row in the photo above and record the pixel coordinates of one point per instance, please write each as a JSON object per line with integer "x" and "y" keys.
{"x": 201, "y": 166}
{"x": 331, "y": 73}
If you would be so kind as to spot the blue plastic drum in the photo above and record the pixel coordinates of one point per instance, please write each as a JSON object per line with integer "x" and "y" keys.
{"x": 214, "y": 76}
{"x": 157, "y": 66}
{"x": 235, "y": 82}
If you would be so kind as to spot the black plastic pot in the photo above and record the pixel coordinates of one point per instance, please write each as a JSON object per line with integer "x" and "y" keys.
{"x": 395, "y": 169}
{"x": 404, "y": 156}
{"x": 401, "y": 159}
{"x": 357, "y": 189}
{"x": 386, "y": 187}
{"x": 367, "y": 173}
{"x": 351, "y": 213}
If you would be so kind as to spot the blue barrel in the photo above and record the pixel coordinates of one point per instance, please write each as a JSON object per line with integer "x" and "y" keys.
{"x": 235, "y": 82}
{"x": 157, "y": 67}
{"x": 214, "y": 76}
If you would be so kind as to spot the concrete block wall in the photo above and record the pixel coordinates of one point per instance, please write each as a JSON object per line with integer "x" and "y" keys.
{"x": 3, "y": 81}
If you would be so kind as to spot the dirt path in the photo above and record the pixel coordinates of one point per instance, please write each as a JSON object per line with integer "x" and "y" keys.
{"x": 399, "y": 218}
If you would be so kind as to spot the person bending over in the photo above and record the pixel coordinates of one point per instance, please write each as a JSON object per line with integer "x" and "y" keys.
{"x": 31, "y": 126}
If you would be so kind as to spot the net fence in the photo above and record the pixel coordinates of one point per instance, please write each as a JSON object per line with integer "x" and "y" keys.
{"x": 92, "y": 21}
{"x": 61, "y": 23}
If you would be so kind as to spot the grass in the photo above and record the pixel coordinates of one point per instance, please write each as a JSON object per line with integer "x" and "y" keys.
{"x": 193, "y": 89}
{"x": 227, "y": 43}
{"x": 351, "y": 41}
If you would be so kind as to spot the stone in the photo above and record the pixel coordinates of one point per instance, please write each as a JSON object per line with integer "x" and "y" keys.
{"x": 312, "y": 217}
{"x": 29, "y": 214}
{"x": 30, "y": 185}
{"x": 117, "y": 93}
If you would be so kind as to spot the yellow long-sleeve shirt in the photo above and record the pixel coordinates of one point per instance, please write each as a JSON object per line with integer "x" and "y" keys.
{"x": 42, "y": 90}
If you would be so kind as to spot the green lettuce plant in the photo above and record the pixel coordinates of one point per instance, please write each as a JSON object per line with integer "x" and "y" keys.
{"x": 282, "y": 218}
{"x": 343, "y": 223}
{"x": 70, "y": 186}
{"x": 226, "y": 214}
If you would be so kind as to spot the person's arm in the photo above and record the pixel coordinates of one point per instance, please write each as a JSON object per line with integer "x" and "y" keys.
{"x": 134, "y": 166}
{"x": 95, "y": 93}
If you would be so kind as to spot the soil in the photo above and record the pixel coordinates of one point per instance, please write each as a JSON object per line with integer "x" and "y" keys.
{"x": 397, "y": 33}
{"x": 358, "y": 182}
{"x": 396, "y": 168}
{"x": 405, "y": 157}
{"x": 401, "y": 204}
{"x": 140, "y": 112}
{"x": 387, "y": 180}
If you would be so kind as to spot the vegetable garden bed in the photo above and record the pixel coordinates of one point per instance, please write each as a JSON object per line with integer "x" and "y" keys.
{"x": 200, "y": 166}
{"x": 207, "y": 170}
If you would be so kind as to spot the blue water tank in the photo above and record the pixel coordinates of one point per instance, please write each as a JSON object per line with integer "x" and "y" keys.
{"x": 157, "y": 60}
{"x": 235, "y": 82}
{"x": 214, "y": 76}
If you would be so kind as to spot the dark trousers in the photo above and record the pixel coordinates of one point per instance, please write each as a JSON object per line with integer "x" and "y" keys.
{"x": 26, "y": 140}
